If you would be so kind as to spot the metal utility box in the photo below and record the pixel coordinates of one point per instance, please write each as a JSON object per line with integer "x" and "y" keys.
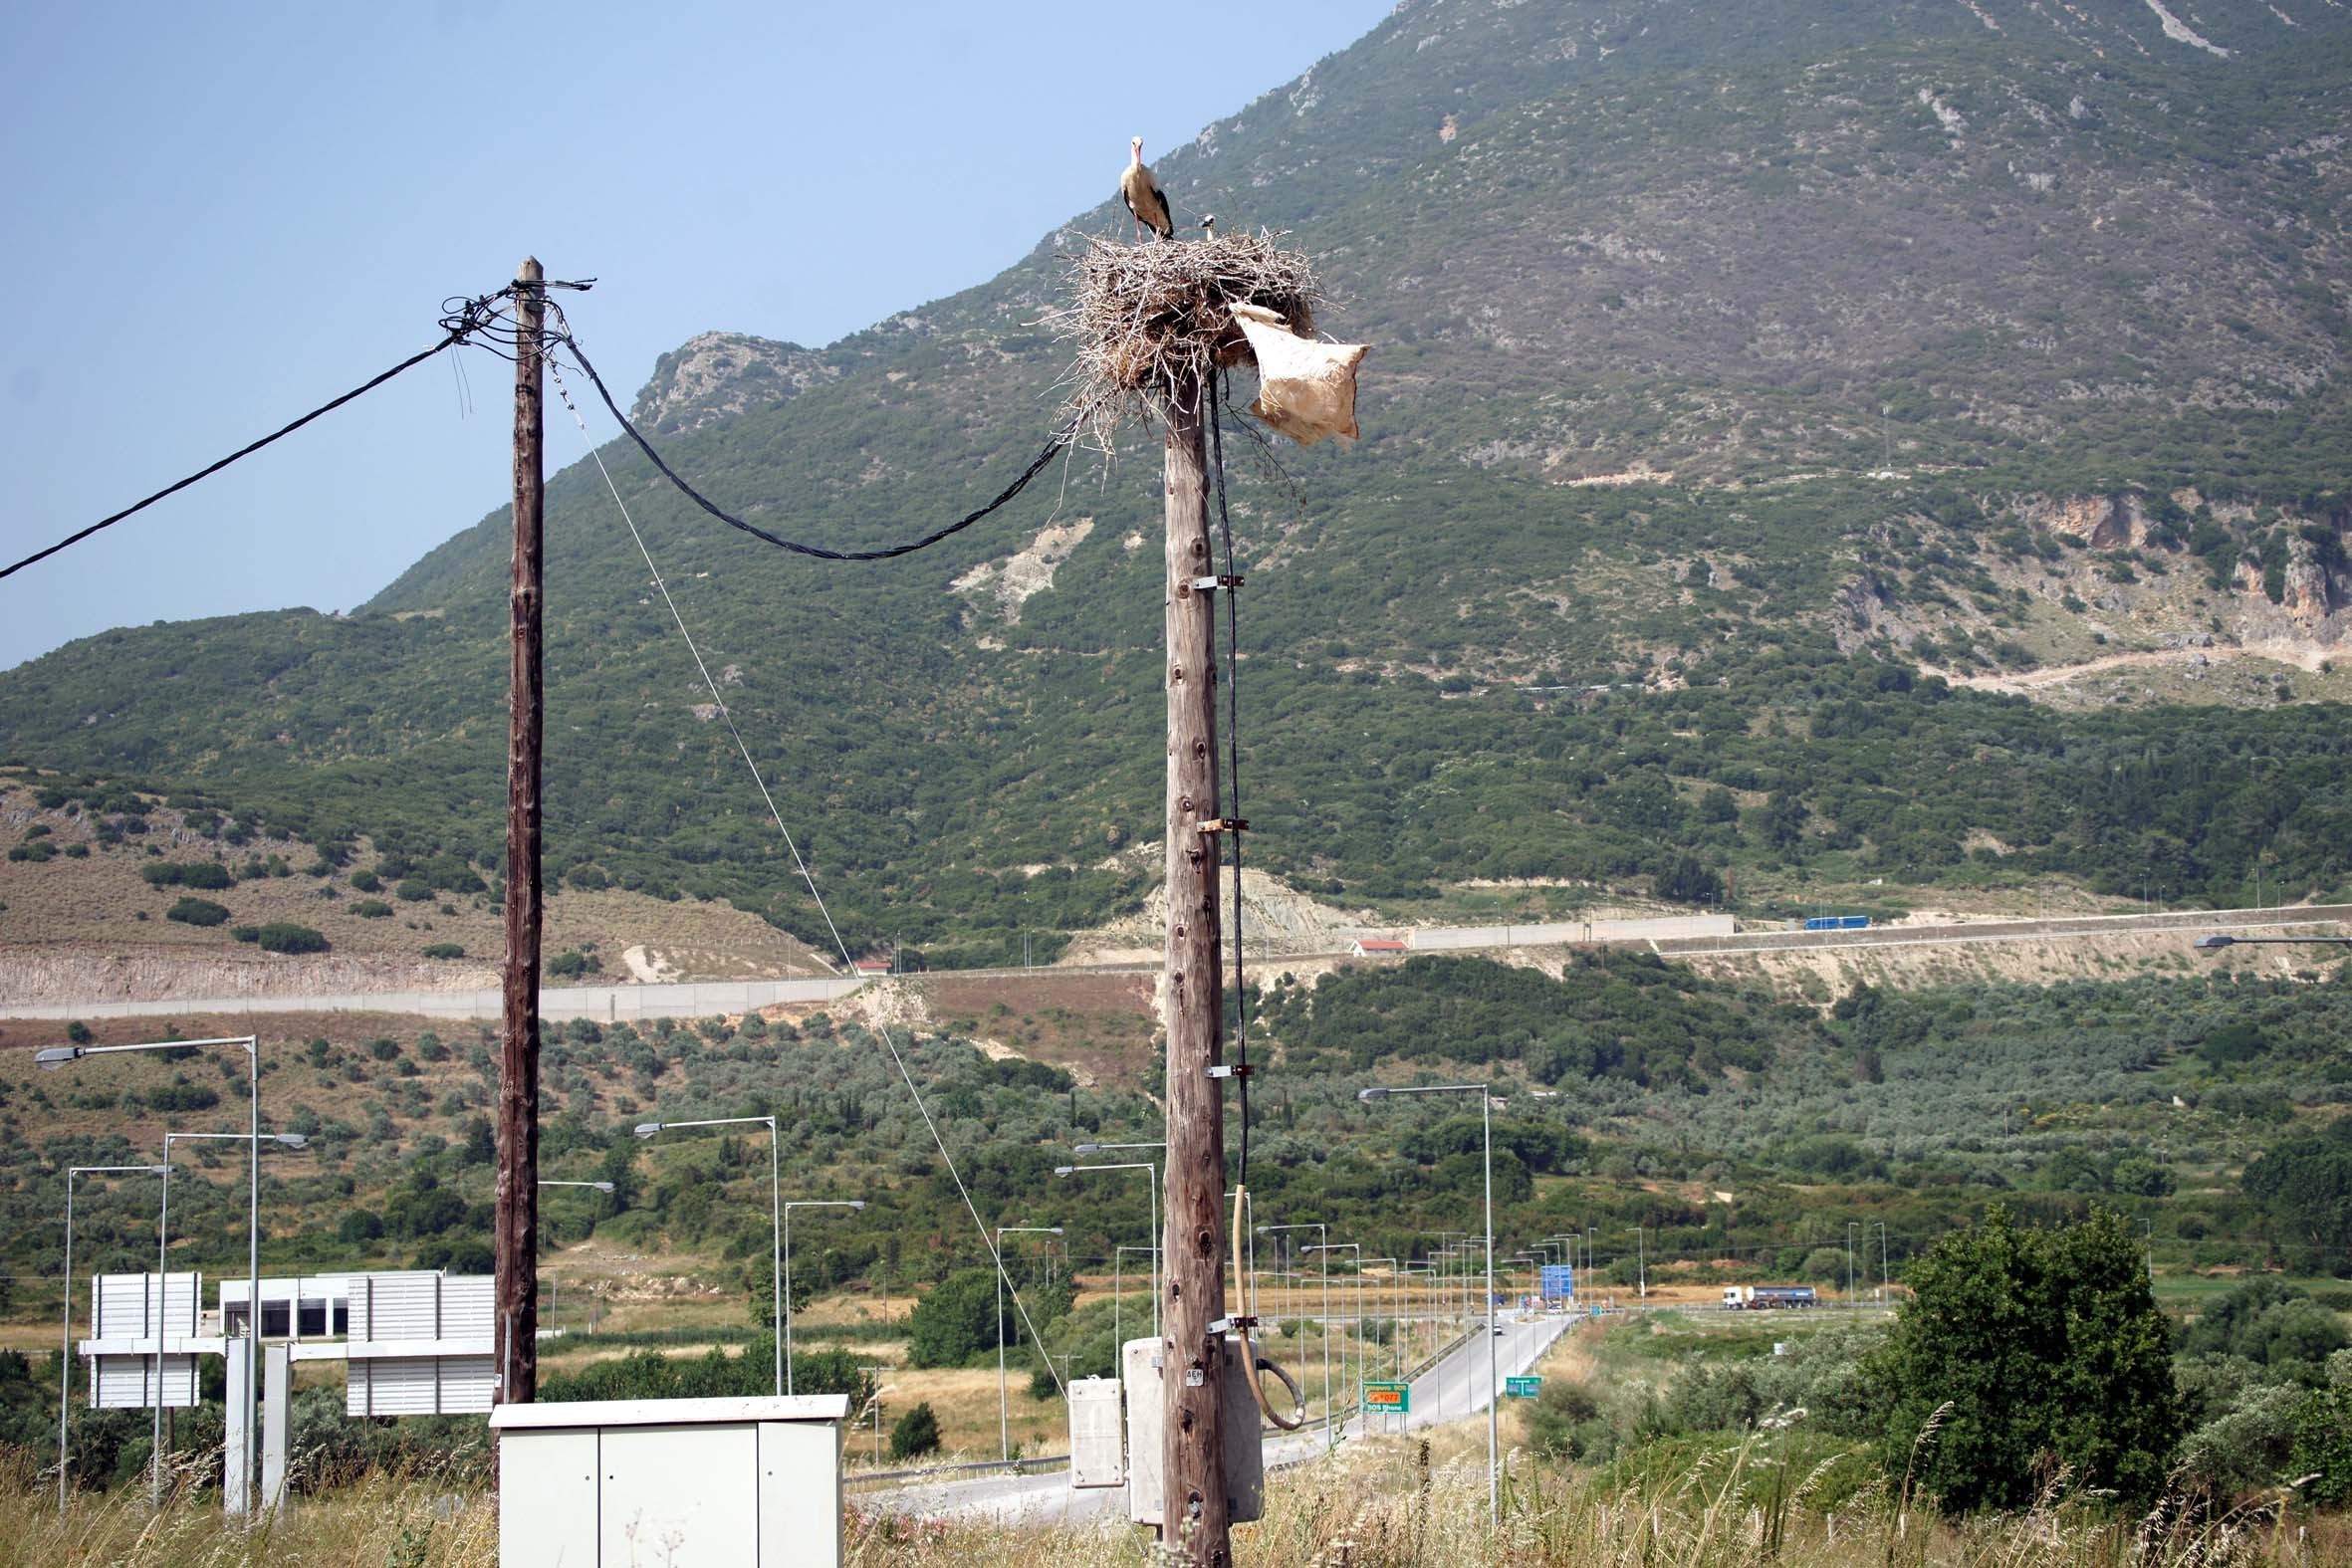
{"x": 686, "y": 1483}
{"x": 1245, "y": 1454}
{"x": 1098, "y": 1447}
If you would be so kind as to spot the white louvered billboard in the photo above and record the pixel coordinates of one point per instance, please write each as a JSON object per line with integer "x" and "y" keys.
{"x": 422, "y": 1344}
{"x": 132, "y": 1317}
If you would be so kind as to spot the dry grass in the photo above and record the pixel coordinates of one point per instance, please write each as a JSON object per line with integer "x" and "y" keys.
{"x": 1390, "y": 1504}
{"x": 1147, "y": 320}
{"x": 413, "y": 1520}
{"x": 1380, "y": 1504}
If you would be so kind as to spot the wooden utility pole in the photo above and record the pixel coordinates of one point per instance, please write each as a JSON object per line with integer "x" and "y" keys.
{"x": 1198, "y": 1527}
{"x": 515, "y": 1240}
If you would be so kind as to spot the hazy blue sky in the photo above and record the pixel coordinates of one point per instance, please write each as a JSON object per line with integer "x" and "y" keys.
{"x": 219, "y": 216}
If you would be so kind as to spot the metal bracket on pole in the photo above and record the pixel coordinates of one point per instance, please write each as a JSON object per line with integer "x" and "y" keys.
{"x": 1233, "y": 1070}
{"x": 1223, "y": 824}
{"x": 1212, "y": 584}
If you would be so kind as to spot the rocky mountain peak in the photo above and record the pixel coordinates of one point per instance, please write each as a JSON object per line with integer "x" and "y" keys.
{"x": 714, "y": 375}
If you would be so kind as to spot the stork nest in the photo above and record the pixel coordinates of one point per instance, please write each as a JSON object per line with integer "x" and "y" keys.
{"x": 1147, "y": 320}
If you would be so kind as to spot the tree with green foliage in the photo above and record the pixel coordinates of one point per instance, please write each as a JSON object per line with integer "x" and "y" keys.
{"x": 2323, "y": 1440}
{"x": 2024, "y": 1348}
{"x": 915, "y": 1433}
{"x": 2304, "y": 1187}
{"x": 958, "y": 1319}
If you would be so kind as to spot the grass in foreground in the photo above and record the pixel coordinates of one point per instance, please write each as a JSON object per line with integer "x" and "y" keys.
{"x": 1383, "y": 1504}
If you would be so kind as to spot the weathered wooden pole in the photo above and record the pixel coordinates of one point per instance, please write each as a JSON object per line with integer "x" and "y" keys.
{"x": 1198, "y": 1527}
{"x": 517, "y": 1225}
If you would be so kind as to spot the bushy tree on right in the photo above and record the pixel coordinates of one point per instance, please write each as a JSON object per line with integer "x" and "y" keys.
{"x": 2030, "y": 1351}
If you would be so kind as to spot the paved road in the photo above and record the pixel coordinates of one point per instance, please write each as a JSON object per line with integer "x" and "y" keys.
{"x": 1455, "y": 1389}
{"x": 606, "y": 1003}
{"x": 612, "y": 1004}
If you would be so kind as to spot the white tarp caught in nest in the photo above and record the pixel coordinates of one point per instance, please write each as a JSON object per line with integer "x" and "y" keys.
{"x": 1305, "y": 388}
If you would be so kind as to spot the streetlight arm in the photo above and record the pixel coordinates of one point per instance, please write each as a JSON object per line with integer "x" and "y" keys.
{"x": 59, "y": 1055}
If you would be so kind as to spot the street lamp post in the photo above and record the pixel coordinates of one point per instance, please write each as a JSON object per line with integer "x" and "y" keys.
{"x": 1322, "y": 1233}
{"x": 801, "y": 1203}
{"x": 1486, "y": 1117}
{"x": 1396, "y": 1326}
{"x": 774, "y": 1211}
{"x": 253, "y": 1143}
{"x": 1004, "y": 1407}
{"x": 1641, "y": 1263}
{"x": 64, "y": 1355}
{"x": 57, "y": 1057}
{"x": 1151, "y": 1191}
{"x": 1357, "y": 1248}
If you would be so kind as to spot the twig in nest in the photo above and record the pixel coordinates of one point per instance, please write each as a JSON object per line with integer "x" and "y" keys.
{"x": 1148, "y": 320}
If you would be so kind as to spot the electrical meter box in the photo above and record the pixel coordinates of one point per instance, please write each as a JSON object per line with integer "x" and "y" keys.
{"x": 1245, "y": 1454}
{"x": 685, "y": 1482}
{"x": 1098, "y": 1447}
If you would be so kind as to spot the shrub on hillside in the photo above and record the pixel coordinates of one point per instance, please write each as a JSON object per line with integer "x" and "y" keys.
{"x": 915, "y": 1433}
{"x": 198, "y": 912}
{"x": 958, "y": 1319}
{"x": 281, "y": 936}
{"x": 205, "y": 875}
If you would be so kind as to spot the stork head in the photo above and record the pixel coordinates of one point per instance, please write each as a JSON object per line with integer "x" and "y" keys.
{"x": 1135, "y": 145}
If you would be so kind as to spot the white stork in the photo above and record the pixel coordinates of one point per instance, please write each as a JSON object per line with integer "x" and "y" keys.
{"x": 1142, "y": 195}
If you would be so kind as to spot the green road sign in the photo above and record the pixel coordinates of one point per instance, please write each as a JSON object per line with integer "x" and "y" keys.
{"x": 1389, "y": 1398}
{"x": 1522, "y": 1387}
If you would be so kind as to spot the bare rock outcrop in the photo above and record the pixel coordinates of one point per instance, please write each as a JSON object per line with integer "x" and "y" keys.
{"x": 714, "y": 375}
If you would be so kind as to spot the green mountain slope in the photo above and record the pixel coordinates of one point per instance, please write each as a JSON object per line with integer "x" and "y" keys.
{"x": 1786, "y": 371}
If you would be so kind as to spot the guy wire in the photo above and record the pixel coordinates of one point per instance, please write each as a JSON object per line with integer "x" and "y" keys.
{"x": 761, "y": 782}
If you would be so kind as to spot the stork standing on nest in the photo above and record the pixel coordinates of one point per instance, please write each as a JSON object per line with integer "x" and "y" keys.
{"x": 1142, "y": 195}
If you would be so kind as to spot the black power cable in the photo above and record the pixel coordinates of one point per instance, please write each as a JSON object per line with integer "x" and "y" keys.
{"x": 1233, "y": 742}
{"x": 457, "y": 327}
{"x": 1054, "y": 446}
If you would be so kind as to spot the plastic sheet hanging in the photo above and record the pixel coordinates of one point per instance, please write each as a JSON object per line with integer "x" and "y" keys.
{"x": 1305, "y": 387}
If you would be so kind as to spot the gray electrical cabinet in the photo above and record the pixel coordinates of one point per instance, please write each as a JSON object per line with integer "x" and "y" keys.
{"x": 684, "y": 1482}
{"x": 1245, "y": 1454}
{"x": 1097, "y": 1446}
